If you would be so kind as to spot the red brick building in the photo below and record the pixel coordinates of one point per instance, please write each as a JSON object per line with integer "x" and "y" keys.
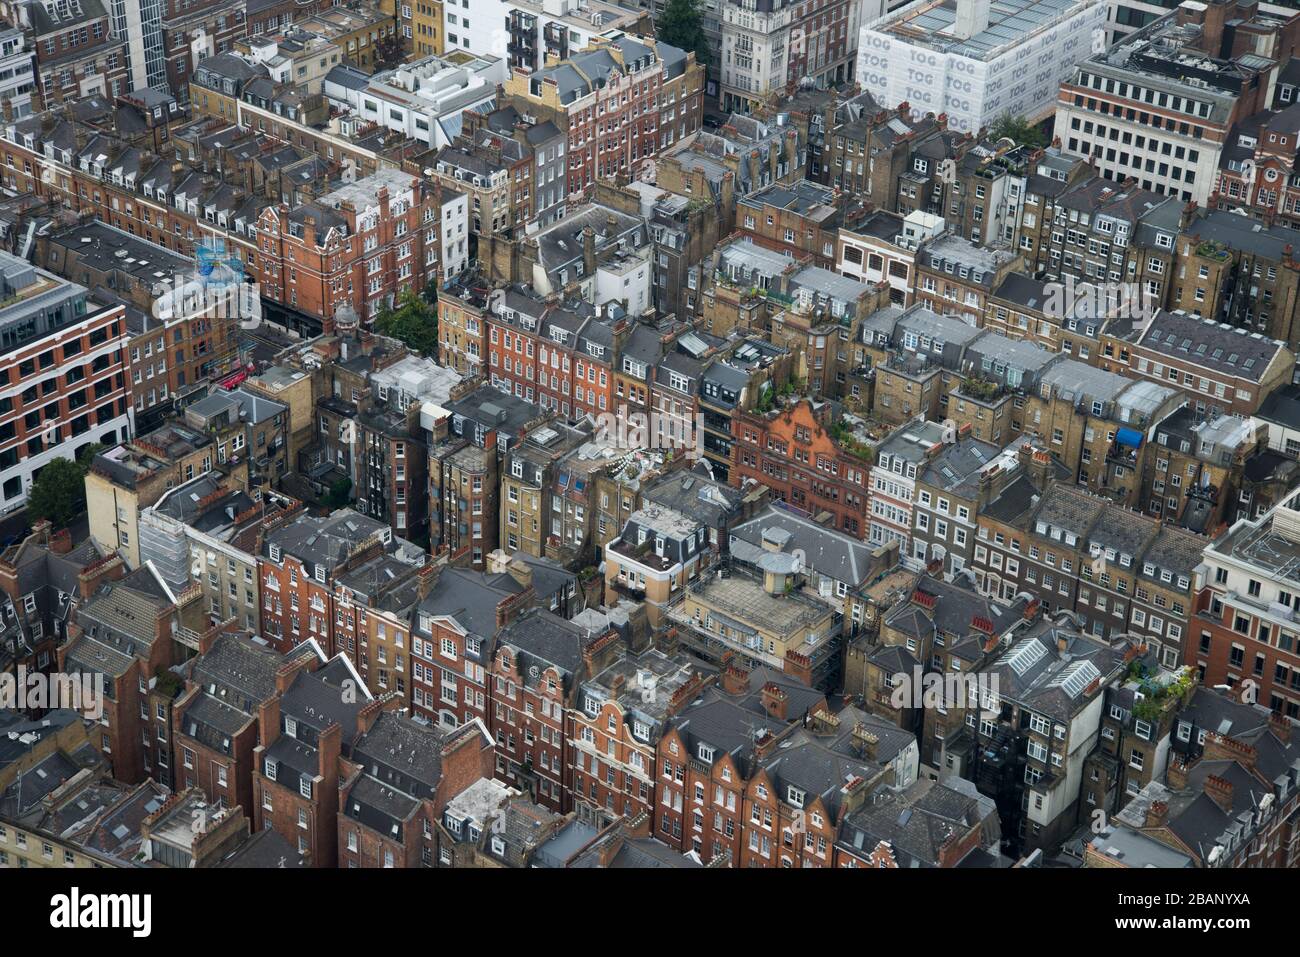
{"x": 453, "y": 639}
{"x": 398, "y": 781}
{"x": 613, "y": 117}
{"x": 311, "y": 569}
{"x": 792, "y": 452}
{"x": 125, "y": 634}
{"x": 215, "y": 720}
{"x": 799, "y": 220}
{"x": 621, "y": 714}
{"x": 562, "y": 357}
{"x": 192, "y": 30}
{"x": 307, "y": 729}
{"x": 790, "y": 818}
{"x": 539, "y": 660}
{"x": 709, "y": 751}
{"x": 77, "y": 54}
{"x": 360, "y": 245}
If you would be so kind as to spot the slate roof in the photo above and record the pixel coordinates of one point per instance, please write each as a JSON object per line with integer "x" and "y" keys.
{"x": 709, "y": 502}
{"x": 637, "y": 853}
{"x": 891, "y": 739}
{"x": 957, "y": 605}
{"x": 265, "y": 849}
{"x": 1115, "y": 528}
{"x": 241, "y": 671}
{"x": 118, "y": 623}
{"x": 957, "y": 468}
{"x": 314, "y": 540}
{"x": 1282, "y": 406}
{"x": 1013, "y": 503}
{"x": 826, "y": 551}
{"x": 471, "y": 598}
{"x": 917, "y": 822}
{"x": 542, "y": 640}
{"x": 1209, "y": 710}
{"x": 401, "y": 762}
{"x": 727, "y": 725}
{"x": 1228, "y": 350}
{"x": 806, "y": 763}
{"x": 1038, "y": 675}
{"x": 1175, "y": 550}
{"x": 1070, "y": 509}
{"x": 213, "y": 722}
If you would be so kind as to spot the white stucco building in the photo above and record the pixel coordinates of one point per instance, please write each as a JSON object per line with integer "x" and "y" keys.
{"x": 425, "y": 100}
{"x": 455, "y": 233}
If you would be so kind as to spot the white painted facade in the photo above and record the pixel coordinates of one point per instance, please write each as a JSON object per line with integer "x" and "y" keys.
{"x": 425, "y": 100}
{"x": 455, "y": 233}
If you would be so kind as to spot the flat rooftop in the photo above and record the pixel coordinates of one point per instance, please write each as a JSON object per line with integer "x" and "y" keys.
{"x": 745, "y": 601}
{"x": 1263, "y": 546}
{"x": 1011, "y": 22}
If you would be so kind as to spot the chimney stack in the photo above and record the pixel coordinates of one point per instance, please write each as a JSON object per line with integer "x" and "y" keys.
{"x": 868, "y": 742}
{"x": 1281, "y": 727}
{"x": 588, "y": 251}
{"x": 1157, "y": 814}
{"x": 735, "y": 679}
{"x": 522, "y": 572}
{"x": 1176, "y": 776}
{"x": 268, "y": 721}
{"x": 427, "y": 577}
{"x": 775, "y": 701}
{"x": 1219, "y": 790}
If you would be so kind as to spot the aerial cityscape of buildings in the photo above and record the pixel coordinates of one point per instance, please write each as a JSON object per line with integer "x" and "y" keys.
{"x": 608, "y": 434}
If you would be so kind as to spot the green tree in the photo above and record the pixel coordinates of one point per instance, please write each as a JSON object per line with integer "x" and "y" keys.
{"x": 1020, "y": 130}
{"x": 338, "y": 493}
{"x": 59, "y": 492}
{"x": 88, "y": 453}
{"x": 414, "y": 322}
{"x": 680, "y": 24}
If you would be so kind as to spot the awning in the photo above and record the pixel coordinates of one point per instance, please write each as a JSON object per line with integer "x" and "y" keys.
{"x": 1131, "y": 437}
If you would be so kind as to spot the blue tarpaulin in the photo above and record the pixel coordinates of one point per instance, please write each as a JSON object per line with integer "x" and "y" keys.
{"x": 1129, "y": 437}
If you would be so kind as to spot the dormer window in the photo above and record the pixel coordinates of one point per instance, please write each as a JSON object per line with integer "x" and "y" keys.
{"x": 795, "y": 797}
{"x": 706, "y": 753}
